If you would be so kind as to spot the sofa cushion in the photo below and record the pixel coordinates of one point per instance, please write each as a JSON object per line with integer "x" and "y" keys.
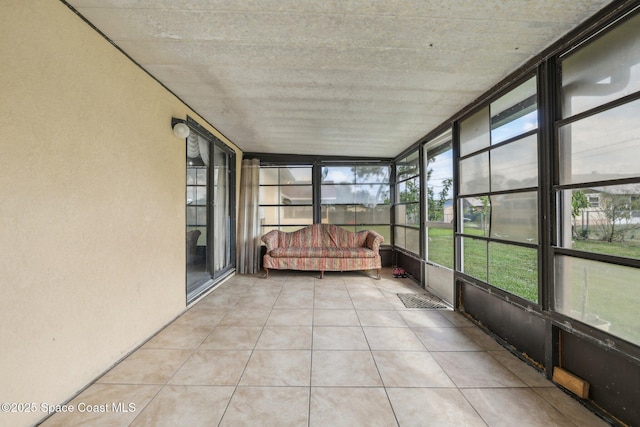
{"x": 326, "y": 252}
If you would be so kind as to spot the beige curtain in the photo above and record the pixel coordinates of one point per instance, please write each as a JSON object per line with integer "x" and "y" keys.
{"x": 248, "y": 245}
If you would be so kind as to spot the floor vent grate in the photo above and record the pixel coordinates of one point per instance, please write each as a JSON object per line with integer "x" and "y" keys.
{"x": 425, "y": 300}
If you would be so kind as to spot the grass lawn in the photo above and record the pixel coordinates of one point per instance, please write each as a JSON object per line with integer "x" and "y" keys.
{"x": 628, "y": 248}
{"x": 609, "y": 291}
{"x": 441, "y": 246}
{"x": 511, "y": 268}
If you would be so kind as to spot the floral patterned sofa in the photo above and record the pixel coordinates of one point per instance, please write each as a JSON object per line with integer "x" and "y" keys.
{"x": 322, "y": 247}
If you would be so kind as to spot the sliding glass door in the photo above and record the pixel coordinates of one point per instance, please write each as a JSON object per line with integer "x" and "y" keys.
{"x": 439, "y": 217}
{"x": 209, "y": 210}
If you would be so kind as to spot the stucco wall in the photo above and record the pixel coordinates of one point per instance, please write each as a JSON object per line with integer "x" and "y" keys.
{"x": 92, "y": 209}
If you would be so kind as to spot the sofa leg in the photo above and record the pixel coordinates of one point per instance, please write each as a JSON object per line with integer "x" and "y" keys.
{"x": 378, "y": 274}
{"x": 321, "y": 274}
{"x": 266, "y": 275}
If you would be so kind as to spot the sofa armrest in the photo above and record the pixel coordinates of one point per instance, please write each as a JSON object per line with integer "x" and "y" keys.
{"x": 271, "y": 240}
{"x": 373, "y": 241}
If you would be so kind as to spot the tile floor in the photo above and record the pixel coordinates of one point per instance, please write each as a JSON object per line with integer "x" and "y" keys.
{"x": 294, "y": 350}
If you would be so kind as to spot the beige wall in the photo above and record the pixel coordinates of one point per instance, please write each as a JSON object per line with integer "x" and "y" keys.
{"x": 91, "y": 205}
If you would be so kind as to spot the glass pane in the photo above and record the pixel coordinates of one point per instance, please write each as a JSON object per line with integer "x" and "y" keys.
{"x": 201, "y": 195}
{"x": 365, "y": 194}
{"x": 201, "y": 176}
{"x": 341, "y": 214}
{"x": 409, "y": 191}
{"x": 440, "y": 246}
{"x": 296, "y": 215}
{"x": 268, "y": 176}
{"x": 515, "y": 217}
{"x": 602, "y": 146}
{"x": 339, "y": 174}
{"x": 605, "y": 220}
{"x": 474, "y": 174}
{"x": 191, "y": 215}
{"x": 191, "y": 176}
{"x": 201, "y": 215}
{"x": 408, "y": 166}
{"x": 408, "y": 214}
{"x": 440, "y": 187}
{"x": 373, "y": 215}
{"x": 474, "y": 132}
{"x": 401, "y": 214}
{"x": 605, "y": 296}
{"x": 295, "y": 175}
{"x": 413, "y": 240}
{"x": 191, "y": 195}
{"x": 474, "y": 258}
{"x": 476, "y": 215}
{"x": 383, "y": 230}
{"x": 344, "y": 193}
{"x": 514, "y": 269}
{"x": 269, "y": 195}
{"x": 296, "y": 195}
{"x": 606, "y": 69}
{"x": 515, "y": 113}
{"x": 399, "y": 236}
{"x": 515, "y": 165}
{"x": 372, "y": 174}
{"x": 269, "y": 215}
{"x": 371, "y": 194}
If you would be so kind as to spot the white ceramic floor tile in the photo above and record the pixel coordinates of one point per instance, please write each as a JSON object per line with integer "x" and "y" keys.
{"x": 296, "y": 350}
{"x": 419, "y": 407}
{"x": 147, "y": 366}
{"x": 268, "y": 406}
{"x": 232, "y": 338}
{"x": 278, "y": 368}
{"x": 393, "y": 339}
{"x": 410, "y": 369}
{"x": 178, "y": 405}
{"x": 115, "y": 405}
{"x": 509, "y": 407}
{"x": 340, "y": 317}
{"x": 212, "y": 367}
{"x": 339, "y": 338}
{"x": 349, "y": 407}
{"x": 285, "y": 337}
{"x": 476, "y": 369}
{"x": 338, "y": 368}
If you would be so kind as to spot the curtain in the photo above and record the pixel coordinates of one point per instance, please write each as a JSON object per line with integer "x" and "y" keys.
{"x": 221, "y": 226}
{"x": 248, "y": 245}
{"x": 197, "y": 146}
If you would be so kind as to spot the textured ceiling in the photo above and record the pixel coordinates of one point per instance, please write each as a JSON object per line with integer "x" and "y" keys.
{"x": 340, "y": 77}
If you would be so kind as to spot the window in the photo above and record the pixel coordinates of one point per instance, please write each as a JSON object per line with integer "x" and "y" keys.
{"x": 407, "y": 206}
{"x": 356, "y": 197}
{"x": 598, "y": 184}
{"x": 286, "y": 198}
{"x": 498, "y": 193}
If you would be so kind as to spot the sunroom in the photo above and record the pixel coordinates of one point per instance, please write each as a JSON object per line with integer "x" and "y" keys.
{"x": 518, "y": 205}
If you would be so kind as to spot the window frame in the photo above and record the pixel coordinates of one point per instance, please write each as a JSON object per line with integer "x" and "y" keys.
{"x": 460, "y": 234}
{"x": 560, "y": 205}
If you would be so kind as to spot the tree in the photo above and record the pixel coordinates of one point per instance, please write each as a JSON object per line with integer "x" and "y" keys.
{"x": 436, "y": 205}
{"x": 616, "y": 213}
{"x": 579, "y": 201}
